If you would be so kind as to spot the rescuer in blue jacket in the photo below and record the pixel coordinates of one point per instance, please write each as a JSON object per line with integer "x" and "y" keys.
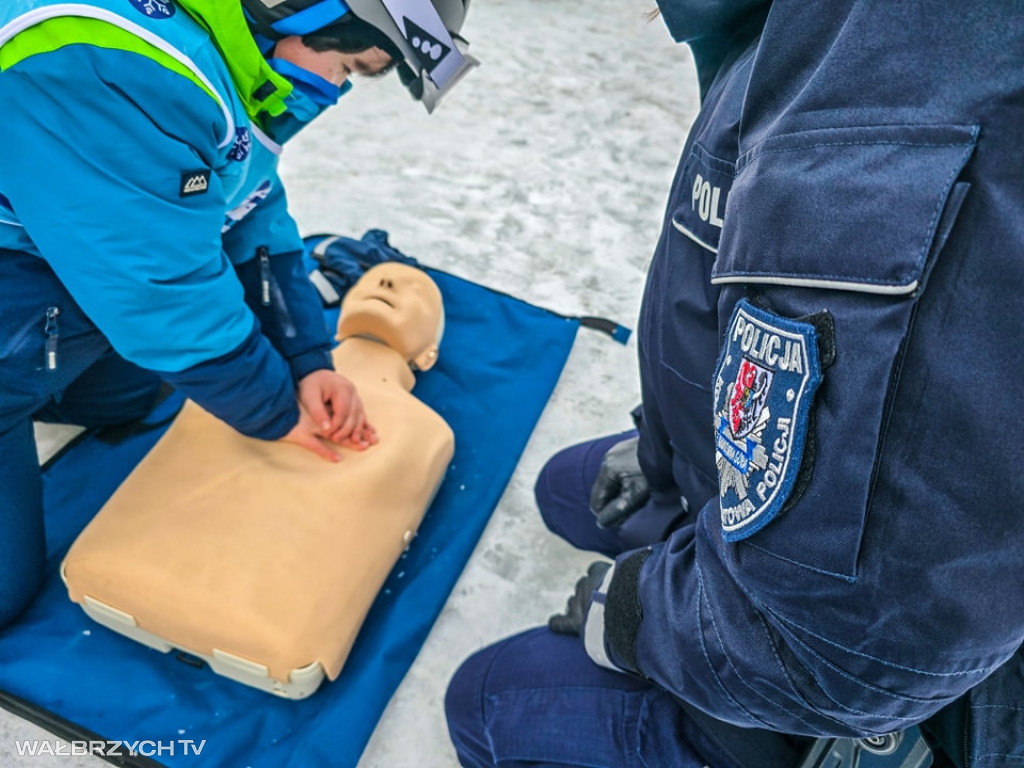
{"x": 144, "y": 232}
{"x": 816, "y": 529}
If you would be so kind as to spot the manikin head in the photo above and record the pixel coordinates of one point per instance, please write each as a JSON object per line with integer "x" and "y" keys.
{"x": 399, "y": 306}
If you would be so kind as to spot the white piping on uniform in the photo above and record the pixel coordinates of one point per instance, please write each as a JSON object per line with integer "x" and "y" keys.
{"x": 802, "y": 282}
{"x": 38, "y": 15}
{"x": 815, "y": 282}
{"x": 12, "y": 223}
{"x": 265, "y": 140}
{"x": 693, "y": 237}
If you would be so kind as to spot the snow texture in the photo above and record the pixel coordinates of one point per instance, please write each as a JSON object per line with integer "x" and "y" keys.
{"x": 543, "y": 174}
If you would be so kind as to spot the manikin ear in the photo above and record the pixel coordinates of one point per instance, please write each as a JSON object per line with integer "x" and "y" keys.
{"x": 425, "y": 360}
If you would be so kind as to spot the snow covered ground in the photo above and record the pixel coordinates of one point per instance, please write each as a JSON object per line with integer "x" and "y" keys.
{"x": 544, "y": 174}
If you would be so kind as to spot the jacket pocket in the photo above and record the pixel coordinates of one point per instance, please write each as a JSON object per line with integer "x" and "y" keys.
{"x": 830, "y": 239}
{"x": 678, "y": 327}
{"x": 687, "y": 251}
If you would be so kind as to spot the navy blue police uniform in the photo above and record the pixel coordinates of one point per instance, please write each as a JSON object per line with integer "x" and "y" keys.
{"x": 830, "y": 385}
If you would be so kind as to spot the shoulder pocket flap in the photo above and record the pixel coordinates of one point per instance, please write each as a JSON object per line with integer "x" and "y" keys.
{"x": 842, "y": 208}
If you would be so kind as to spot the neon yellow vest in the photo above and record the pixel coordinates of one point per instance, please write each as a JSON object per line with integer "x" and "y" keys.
{"x": 158, "y": 30}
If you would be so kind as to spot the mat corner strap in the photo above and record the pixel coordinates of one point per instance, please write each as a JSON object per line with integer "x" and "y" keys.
{"x": 618, "y": 332}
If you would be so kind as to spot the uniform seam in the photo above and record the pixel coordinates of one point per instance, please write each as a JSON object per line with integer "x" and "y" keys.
{"x": 752, "y": 154}
{"x": 707, "y": 659}
{"x": 959, "y": 673}
{"x": 850, "y": 579}
{"x": 704, "y": 155}
{"x": 793, "y": 687}
{"x": 897, "y": 698}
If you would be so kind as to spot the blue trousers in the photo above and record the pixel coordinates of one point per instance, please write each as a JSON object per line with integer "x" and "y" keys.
{"x": 536, "y": 699}
{"x": 54, "y": 367}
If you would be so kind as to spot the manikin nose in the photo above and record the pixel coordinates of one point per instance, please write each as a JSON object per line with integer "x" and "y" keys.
{"x": 386, "y": 283}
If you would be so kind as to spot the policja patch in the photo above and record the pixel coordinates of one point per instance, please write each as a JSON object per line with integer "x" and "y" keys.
{"x": 764, "y": 387}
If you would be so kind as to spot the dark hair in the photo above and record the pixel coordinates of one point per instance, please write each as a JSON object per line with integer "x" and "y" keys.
{"x": 353, "y": 35}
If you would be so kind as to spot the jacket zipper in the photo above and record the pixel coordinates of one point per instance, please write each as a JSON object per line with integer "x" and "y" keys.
{"x": 52, "y": 336}
{"x": 264, "y": 257}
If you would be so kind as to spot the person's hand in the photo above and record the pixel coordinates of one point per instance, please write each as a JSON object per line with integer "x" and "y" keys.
{"x": 576, "y": 608}
{"x": 620, "y": 488}
{"x": 336, "y": 410}
{"x": 306, "y": 434}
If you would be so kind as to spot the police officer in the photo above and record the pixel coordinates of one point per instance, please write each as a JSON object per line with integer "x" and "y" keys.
{"x": 144, "y": 234}
{"x": 816, "y": 528}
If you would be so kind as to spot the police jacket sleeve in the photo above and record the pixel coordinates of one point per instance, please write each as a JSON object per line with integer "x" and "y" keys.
{"x": 266, "y": 249}
{"x": 859, "y": 566}
{"x": 110, "y": 163}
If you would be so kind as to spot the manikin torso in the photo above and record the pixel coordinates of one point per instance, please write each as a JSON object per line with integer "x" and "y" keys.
{"x": 261, "y": 549}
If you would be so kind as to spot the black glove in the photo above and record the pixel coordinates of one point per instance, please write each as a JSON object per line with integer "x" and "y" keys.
{"x": 620, "y": 488}
{"x": 576, "y": 608}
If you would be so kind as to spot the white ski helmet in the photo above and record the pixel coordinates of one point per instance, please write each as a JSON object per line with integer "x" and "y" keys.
{"x": 421, "y": 35}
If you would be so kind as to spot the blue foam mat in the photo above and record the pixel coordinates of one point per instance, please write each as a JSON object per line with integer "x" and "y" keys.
{"x": 499, "y": 361}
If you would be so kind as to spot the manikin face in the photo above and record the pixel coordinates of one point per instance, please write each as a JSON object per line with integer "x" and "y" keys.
{"x": 398, "y": 305}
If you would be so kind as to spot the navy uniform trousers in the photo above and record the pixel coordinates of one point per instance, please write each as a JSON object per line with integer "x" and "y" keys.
{"x": 536, "y": 699}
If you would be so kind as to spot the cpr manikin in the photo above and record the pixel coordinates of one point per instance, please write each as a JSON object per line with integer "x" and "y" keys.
{"x": 255, "y": 555}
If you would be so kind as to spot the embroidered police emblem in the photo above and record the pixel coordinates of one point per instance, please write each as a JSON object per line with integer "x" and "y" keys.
{"x": 764, "y": 387}
{"x": 194, "y": 183}
{"x": 242, "y": 146}
{"x": 155, "y": 9}
{"x": 429, "y": 51}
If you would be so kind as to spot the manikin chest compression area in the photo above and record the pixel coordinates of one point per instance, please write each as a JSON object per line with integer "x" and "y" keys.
{"x": 257, "y": 556}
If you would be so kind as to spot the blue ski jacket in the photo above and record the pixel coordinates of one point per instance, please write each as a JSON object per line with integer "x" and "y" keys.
{"x": 831, "y": 374}
{"x": 138, "y": 166}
